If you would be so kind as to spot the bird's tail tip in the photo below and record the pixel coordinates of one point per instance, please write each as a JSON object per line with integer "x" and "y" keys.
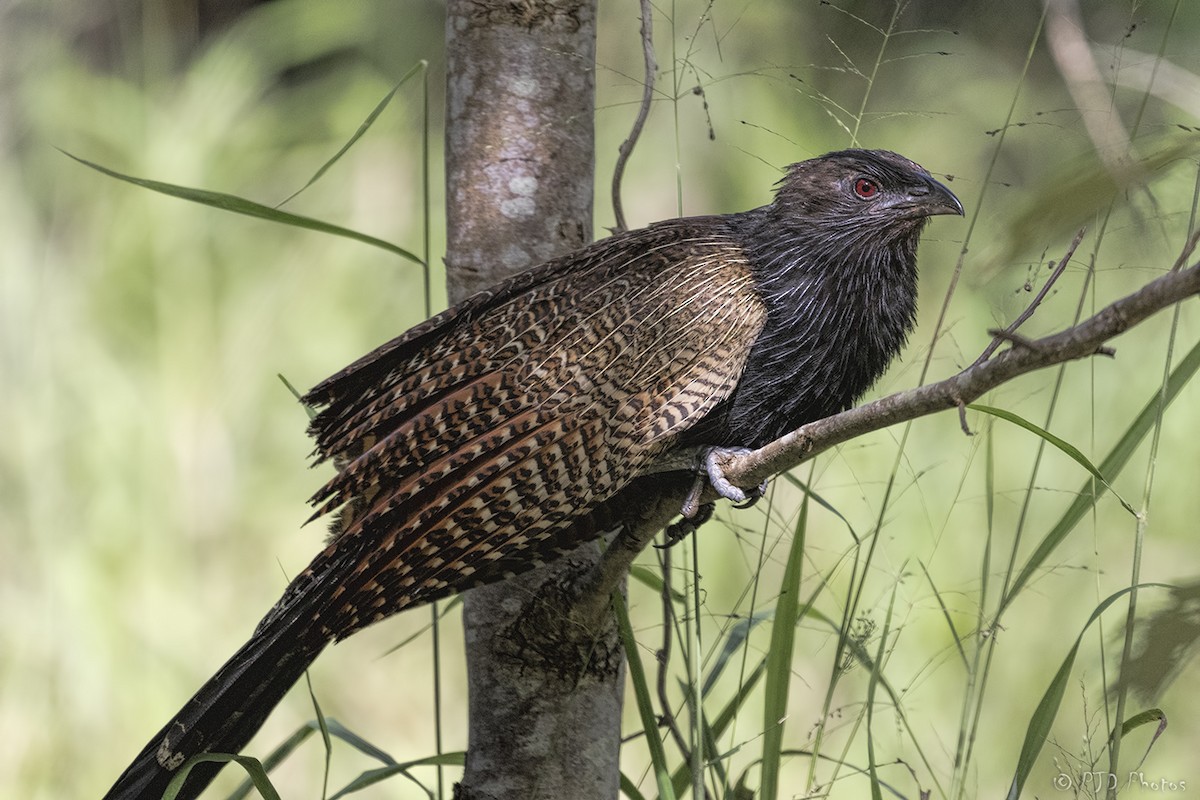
{"x": 220, "y": 718}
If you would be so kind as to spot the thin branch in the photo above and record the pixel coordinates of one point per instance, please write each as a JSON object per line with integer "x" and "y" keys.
{"x": 626, "y": 148}
{"x": 1187, "y": 251}
{"x": 1010, "y": 331}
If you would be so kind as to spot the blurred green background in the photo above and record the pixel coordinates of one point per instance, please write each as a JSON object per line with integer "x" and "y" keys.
{"x": 152, "y": 467}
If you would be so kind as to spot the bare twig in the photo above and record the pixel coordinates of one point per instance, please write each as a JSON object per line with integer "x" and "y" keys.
{"x": 626, "y": 148}
{"x": 1013, "y": 338}
{"x": 1188, "y": 249}
{"x": 1037, "y": 300}
{"x": 962, "y": 418}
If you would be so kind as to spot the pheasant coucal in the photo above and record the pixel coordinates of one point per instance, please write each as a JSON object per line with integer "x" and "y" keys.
{"x": 509, "y": 429}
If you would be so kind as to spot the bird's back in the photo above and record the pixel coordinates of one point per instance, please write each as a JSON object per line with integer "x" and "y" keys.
{"x": 483, "y": 433}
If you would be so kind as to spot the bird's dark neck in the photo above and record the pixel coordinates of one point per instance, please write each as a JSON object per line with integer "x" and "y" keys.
{"x": 840, "y": 300}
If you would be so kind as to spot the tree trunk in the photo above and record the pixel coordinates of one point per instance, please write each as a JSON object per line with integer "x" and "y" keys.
{"x": 545, "y": 692}
{"x": 520, "y": 144}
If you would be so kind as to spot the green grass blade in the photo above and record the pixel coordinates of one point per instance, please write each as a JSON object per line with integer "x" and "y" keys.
{"x": 858, "y": 652}
{"x": 795, "y": 752}
{"x": 682, "y": 778}
{"x": 1145, "y": 718}
{"x": 323, "y": 727}
{"x": 249, "y": 208}
{"x": 641, "y": 691}
{"x": 373, "y": 776}
{"x": 779, "y": 659}
{"x": 821, "y": 501}
{"x": 1047, "y": 707}
{"x": 419, "y": 67}
{"x": 654, "y": 582}
{"x": 683, "y": 774}
{"x": 442, "y": 611}
{"x": 876, "y": 676}
{"x": 734, "y": 638}
{"x": 252, "y": 766}
{"x": 1062, "y": 444}
{"x": 360, "y": 744}
{"x": 731, "y": 709}
{"x": 276, "y": 757}
{"x": 329, "y": 727}
{"x": 1111, "y": 466}
{"x": 629, "y": 789}
{"x": 312, "y": 412}
{"x": 962, "y": 654}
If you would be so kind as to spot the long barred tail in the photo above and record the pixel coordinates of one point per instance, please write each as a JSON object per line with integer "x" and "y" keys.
{"x": 225, "y": 713}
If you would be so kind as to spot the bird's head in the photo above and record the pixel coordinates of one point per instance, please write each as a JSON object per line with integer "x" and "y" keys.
{"x": 875, "y": 190}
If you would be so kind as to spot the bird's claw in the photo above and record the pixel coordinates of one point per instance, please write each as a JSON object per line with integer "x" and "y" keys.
{"x": 710, "y": 468}
{"x": 741, "y": 498}
{"x": 753, "y": 496}
{"x": 678, "y": 531}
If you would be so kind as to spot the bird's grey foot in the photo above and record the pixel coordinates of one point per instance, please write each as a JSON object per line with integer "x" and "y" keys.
{"x": 709, "y": 471}
{"x": 741, "y": 498}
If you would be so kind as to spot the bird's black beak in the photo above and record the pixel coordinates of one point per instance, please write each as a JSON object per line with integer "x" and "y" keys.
{"x": 931, "y": 198}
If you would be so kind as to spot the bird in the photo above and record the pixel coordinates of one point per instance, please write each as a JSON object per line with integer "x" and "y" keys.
{"x": 516, "y": 425}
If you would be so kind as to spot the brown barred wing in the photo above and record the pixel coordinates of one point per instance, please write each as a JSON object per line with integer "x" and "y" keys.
{"x": 475, "y": 450}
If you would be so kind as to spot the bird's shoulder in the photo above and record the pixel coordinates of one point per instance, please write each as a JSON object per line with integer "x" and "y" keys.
{"x": 520, "y": 409}
{"x": 692, "y": 267}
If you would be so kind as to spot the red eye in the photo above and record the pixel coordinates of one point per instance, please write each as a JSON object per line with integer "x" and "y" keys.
{"x": 866, "y": 189}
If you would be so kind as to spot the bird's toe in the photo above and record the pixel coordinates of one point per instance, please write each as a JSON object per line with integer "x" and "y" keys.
{"x": 712, "y": 460}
